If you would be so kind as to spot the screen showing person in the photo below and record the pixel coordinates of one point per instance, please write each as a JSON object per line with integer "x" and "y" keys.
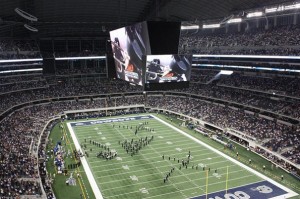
{"x": 129, "y": 44}
{"x": 168, "y": 68}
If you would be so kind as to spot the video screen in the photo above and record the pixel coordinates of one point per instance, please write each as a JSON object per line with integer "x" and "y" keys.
{"x": 168, "y": 68}
{"x": 164, "y": 37}
{"x": 129, "y": 45}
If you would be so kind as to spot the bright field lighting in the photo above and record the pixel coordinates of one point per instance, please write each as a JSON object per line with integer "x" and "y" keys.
{"x": 254, "y": 14}
{"x": 211, "y": 26}
{"x": 189, "y": 27}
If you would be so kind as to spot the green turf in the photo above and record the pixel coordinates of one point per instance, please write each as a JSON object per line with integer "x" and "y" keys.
{"x": 257, "y": 161}
{"x": 62, "y": 191}
{"x": 149, "y": 167}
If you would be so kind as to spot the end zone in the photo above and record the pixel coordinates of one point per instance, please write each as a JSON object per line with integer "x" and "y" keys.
{"x": 258, "y": 190}
{"x": 282, "y": 191}
{"x": 267, "y": 188}
{"x": 85, "y": 165}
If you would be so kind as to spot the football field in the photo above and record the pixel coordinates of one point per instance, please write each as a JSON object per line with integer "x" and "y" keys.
{"x": 145, "y": 157}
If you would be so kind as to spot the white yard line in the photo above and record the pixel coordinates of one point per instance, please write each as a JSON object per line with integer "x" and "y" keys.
{"x": 230, "y": 188}
{"x": 219, "y": 182}
{"x": 200, "y": 169}
{"x": 85, "y": 165}
{"x": 173, "y": 184}
{"x": 124, "y": 162}
{"x": 99, "y": 195}
{"x": 173, "y": 149}
{"x": 288, "y": 195}
{"x": 175, "y": 140}
{"x": 177, "y": 176}
{"x": 171, "y": 164}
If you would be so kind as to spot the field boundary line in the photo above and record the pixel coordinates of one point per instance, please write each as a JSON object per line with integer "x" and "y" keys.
{"x": 173, "y": 184}
{"x": 290, "y": 193}
{"x": 86, "y": 167}
{"x": 194, "y": 187}
{"x": 125, "y": 162}
{"x": 236, "y": 171}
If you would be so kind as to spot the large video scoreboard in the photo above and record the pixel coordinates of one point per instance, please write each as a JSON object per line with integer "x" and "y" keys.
{"x": 146, "y": 53}
{"x": 168, "y": 68}
{"x": 129, "y": 45}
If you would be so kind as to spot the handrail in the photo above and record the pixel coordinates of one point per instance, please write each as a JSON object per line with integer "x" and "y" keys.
{"x": 39, "y": 145}
{"x": 167, "y": 92}
{"x": 204, "y": 122}
{"x": 146, "y": 107}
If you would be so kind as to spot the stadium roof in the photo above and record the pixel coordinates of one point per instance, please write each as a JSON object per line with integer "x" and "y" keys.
{"x": 96, "y": 17}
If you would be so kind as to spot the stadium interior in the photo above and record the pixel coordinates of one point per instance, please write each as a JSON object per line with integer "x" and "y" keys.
{"x": 56, "y": 64}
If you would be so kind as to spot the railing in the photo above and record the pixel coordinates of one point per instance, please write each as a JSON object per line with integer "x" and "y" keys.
{"x": 39, "y": 145}
{"x": 141, "y": 105}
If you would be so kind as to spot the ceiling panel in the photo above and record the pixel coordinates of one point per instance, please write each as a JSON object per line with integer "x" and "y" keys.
{"x": 116, "y": 13}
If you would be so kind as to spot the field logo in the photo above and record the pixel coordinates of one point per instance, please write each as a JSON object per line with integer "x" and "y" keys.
{"x": 259, "y": 190}
{"x": 103, "y": 121}
{"x": 201, "y": 165}
{"x": 144, "y": 190}
{"x": 134, "y": 178}
{"x": 217, "y": 175}
{"x": 263, "y": 189}
{"x": 71, "y": 181}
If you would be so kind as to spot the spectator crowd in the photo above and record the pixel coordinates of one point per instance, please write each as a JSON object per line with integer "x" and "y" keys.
{"x": 281, "y": 40}
{"x": 20, "y": 131}
{"x": 19, "y": 49}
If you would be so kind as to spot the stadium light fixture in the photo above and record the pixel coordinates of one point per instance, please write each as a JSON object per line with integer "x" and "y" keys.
{"x": 246, "y": 67}
{"x": 283, "y": 8}
{"x": 25, "y": 15}
{"x": 291, "y": 70}
{"x": 241, "y": 67}
{"x": 251, "y": 56}
{"x": 20, "y": 60}
{"x": 226, "y": 72}
{"x": 192, "y": 27}
{"x": 264, "y": 68}
{"x": 217, "y": 25}
{"x": 223, "y": 66}
{"x": 32, "y": 29}
{"x": 271, "y": 10}
{"x": 22, "y": 70}
{"x": 292, "y": 7}
{"x": 254, "y": 14}
{"x": 77, "y": 58}
{"x": 235, "y": 20}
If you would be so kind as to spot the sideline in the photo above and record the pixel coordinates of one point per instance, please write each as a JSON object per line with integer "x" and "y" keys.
{"x": 96, "y": 189}
{"x": 288, "y": 195}
{"x": 85, "y": 165}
